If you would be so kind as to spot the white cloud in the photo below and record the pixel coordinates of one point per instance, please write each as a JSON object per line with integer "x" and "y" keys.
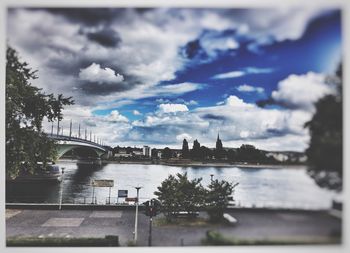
{"x": 136, "y": 112}
{"x": 172, "y": 108}
{"x": 243, "y": 72}
{"x": 255, "y": 70}
{"x": 115, "y": 116}
{"x": 244, "y": 134}
{"x": 183, "y": 136}
{"x": 237, "y": 121}
{"x": 249, "y": 88}
{"x": 301, "y": 91}
{"x": 191, "y": 102}
{"x": 281, "y": 22}
{"x": 235, "y": 101}
{"x": 214, "y": 44}
{"x": 94, "y": 73}
{"x": 232, "y": 74}
{"x": 176, "y": 101}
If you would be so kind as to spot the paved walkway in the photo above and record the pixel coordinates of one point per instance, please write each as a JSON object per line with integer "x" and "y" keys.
{"x": 252, "y": 224}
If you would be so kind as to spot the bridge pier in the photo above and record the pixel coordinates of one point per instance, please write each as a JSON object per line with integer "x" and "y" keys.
{"x": 89, "y": 161}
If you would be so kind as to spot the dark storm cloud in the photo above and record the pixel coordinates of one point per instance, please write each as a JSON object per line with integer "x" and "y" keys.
{"x": 95, "y": 88}
{"x": 106, "y": 37}
{"x": 213, "y": 117}
{"x": 88, "y": 16}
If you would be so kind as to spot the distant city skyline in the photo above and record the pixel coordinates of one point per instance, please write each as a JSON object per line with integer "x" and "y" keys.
{"x": 156, "y": 76}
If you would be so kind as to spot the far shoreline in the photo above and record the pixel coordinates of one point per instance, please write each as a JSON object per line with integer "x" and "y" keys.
{"x": 201, "y": 164}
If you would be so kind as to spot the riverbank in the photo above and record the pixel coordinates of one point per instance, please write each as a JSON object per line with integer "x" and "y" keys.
{"x": 200, "y": 164}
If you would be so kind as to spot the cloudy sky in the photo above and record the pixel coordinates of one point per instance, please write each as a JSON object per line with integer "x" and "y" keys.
{"x": 156, "y": 76}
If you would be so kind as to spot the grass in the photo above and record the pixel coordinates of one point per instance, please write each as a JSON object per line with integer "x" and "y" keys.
{"x": 216, "y": 239}
{"x": 109, "y": 240}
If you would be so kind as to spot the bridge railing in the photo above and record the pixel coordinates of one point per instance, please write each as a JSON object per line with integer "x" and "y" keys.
{"x": 71, "y": 138}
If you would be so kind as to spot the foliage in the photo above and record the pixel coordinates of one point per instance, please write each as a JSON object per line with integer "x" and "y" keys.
{"x": 325, "y": 152}
{"x": 109, "y": 240}
{"x": 217, "y": 198}
{"x": 26, "y": 108}
{"x": 166, "y": 153}
{"x": 178, "y": 193}
{"x": 248, "y": 153}
{"x": 217, "y": 239}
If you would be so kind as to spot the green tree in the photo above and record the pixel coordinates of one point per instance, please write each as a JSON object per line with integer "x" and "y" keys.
{"x": 26, "y": 108}
{"x": 178, "y": 193}
{"x": 217, "y": 198}
{"x": 166, "y": 153}
{"x": 325, "y": 152}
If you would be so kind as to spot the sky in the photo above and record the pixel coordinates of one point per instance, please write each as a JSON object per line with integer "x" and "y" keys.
{"x": 156, "y": 76}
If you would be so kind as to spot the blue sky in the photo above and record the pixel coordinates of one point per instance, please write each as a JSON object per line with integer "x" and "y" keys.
{"x": 156, "y": 76}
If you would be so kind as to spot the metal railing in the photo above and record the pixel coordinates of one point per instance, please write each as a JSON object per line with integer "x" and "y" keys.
{"x": 71, "y": 138}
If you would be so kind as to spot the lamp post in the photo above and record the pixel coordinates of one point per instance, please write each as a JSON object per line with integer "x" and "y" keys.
{"x": 61, "y": 190}
{"x": 137, "y": 211}
{"x": 211, "y": 177}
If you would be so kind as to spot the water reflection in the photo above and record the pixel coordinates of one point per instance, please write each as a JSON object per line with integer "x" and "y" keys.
{"x": 290, "y": 187}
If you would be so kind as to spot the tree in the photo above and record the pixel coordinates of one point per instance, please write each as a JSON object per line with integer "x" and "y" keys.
{"x": 128, "y": 150}
{"x": 26, "y": 108}
{"x": 325, "y": 152}
{"x": 116, "y": 150}
{"x": 218, "y": 197}
{"x": 180, "y": 194}
{"x": 205, "y": 153}
{"x": 185, "y": 150}
{"x": 231, "y": 155}
{"x": 166, "y": 153}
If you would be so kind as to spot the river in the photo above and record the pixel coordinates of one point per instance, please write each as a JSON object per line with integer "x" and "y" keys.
{"x": 258, "y": 187}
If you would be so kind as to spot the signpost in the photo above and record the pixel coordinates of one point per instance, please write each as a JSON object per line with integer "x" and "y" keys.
{"x": 136, "y": 213}
{"x": 152, "y": 208}
{"x": 102, "y": 183}
{"x": 122, "y": 193}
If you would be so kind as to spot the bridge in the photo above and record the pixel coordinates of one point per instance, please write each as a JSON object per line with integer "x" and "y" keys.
{"x": 82, "y": 148}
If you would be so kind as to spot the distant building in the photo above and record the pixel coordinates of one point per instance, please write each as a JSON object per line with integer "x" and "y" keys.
{"x": 122, "y": 152}
{"x": 146, "y": 151}
{"x": 137, "y": 152}
{"x": 219, "y": 151}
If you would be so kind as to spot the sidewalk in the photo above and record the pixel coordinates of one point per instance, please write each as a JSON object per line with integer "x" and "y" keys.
{"x": 252, "y": 224}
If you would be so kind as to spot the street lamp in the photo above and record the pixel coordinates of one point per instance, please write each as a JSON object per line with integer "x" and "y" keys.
{"x": 211, "y": 177}
{"x": 61, "y": 190}
{"x": 137, "y": 211}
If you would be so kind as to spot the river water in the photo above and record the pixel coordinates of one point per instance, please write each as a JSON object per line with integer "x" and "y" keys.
{"x": 260, "y": 187}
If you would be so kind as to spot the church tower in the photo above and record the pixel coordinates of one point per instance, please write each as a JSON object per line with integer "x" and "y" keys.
{"x": 218, "y": 144}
